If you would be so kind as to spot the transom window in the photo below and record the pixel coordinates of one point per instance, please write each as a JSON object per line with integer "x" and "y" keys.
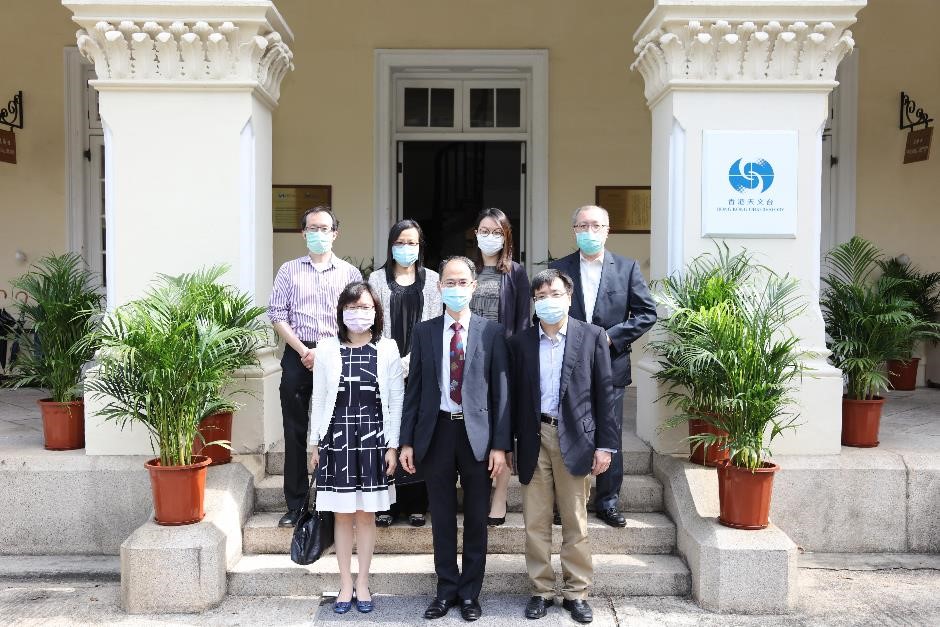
{"x": 461, "y": 105}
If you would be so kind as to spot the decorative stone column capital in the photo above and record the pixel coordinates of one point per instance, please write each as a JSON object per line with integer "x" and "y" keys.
{"x": 185, "y": 43}
{"x": 740, "y": 44}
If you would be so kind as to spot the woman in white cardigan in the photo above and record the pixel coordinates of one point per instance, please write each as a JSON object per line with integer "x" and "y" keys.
{"x": 355, "y": 414}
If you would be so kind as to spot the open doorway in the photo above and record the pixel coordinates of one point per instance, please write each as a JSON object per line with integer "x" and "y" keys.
{"x": 443, "y": 185}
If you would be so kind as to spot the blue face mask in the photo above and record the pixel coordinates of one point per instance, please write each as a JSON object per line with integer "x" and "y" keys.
{"x": 405, "y": 255}
{"x": 590, "y": 243}
{"x": 551, "y": 310}
{"x": 456, "y": 298}
{"x": 319, "y": 243}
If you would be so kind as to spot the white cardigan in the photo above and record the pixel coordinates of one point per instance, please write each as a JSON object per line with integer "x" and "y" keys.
{"x": 327, "y": 369}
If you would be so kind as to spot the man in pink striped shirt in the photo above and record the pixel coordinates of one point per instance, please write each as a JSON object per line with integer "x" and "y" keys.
{"x": 303, "y": 311}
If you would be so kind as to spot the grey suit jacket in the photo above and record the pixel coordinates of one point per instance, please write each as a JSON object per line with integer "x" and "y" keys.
{"x": 485, "y": 387}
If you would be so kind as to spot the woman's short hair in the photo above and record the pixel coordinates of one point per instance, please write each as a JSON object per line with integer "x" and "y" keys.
{"x": 504, "y": 262}
{"x": 350, "y": 294}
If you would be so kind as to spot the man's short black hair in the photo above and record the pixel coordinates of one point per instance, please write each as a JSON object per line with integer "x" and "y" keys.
{"x": 319, "y": 209}
{"x": 466, "y": 260}
{"x": 547, "y": 277}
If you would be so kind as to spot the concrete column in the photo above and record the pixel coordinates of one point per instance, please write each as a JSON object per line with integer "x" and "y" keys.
{"x": 186, "y": 94}
{"x": 761, "y": 70}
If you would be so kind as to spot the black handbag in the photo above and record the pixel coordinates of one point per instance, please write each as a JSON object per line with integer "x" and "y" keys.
{"x": 313, "y": 534}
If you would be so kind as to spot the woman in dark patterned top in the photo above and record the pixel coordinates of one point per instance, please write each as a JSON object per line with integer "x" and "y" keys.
{"x": 502, "y": 295}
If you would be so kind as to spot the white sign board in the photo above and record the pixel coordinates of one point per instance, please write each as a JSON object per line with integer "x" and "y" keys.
{"x": 749, "y": 181}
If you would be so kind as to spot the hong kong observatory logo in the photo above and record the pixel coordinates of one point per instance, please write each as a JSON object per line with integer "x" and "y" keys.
{"x": 751, "y": 175}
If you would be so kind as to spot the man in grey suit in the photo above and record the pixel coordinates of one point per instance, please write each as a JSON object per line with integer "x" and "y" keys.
{"x": 456, "y": 420}
{"x": 566, "y": 430}
{"x": 609, "y": 291}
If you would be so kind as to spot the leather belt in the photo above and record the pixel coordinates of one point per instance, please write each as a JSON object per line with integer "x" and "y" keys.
{"x": 457, "y": 415}
{"x": 550, "y": 420}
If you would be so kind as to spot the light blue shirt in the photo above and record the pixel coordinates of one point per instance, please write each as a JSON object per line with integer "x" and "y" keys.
{"x": 551, "y": 356}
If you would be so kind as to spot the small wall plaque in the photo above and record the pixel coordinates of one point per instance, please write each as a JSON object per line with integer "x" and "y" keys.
{"x": 918, "y": 145}
{"x": 289, "y": 202}
{"x": 628, "y": 206}
{"x": 7, "y": 146}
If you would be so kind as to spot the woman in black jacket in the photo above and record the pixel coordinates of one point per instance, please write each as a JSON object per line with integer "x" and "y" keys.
{"x": 502, "y": 295}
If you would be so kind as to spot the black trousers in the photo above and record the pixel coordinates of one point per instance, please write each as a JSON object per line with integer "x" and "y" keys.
{"x": 410, "y": 498}
{"x": 607, "y": 491}
{"x": 296, "y": 385}
{"x": 449, "y": 454}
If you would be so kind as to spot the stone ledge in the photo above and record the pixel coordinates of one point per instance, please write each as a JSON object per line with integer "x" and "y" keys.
{"x": 747, "y": 572}
{"x": 60, "y": 567}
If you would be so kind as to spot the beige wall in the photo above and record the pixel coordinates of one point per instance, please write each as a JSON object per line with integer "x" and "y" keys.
{"x": 898, "y": 205}
{"x": 599, "y": 124}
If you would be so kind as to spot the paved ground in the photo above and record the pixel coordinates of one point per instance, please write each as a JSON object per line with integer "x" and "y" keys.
{"x": 827, "y": 597}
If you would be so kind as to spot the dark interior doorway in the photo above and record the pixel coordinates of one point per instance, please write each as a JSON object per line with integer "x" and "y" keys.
{"x": 444, "y": 185}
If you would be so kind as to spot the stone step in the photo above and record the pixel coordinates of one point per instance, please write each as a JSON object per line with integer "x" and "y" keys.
{"x": 646, "y": 533}
{"x": 614, "y": 575}
{"x": 639, "y": 493}
{"x": 637, "y": 458}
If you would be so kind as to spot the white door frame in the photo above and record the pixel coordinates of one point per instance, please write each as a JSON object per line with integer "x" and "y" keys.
{"x": 535, "y": 62}
{"x": 75, "y": 134}
{"x": 845, "y": 149}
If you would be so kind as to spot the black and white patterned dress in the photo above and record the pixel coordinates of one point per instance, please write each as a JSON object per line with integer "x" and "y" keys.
{"x": 351, "y": 475}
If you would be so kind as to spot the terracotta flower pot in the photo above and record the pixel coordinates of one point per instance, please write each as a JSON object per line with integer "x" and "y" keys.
{"x": 178, "y": 491}
{"x": 902, "y": 375}
{"x": 702, "y": 455}
{"x": 215, "y": 427}
{"x": 744, "y": 496}
{"x": 860, "y": 421}
{"x": 63, "y": 424}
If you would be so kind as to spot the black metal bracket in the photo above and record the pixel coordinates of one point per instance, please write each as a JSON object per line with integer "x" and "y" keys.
{"x": 909, "y": 108}
{"x": 13, "y": 111}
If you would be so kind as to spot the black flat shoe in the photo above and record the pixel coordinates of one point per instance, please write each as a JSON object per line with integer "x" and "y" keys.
{"x": 580, "y": 610}
{"x": 612, "y": 517}
{"x": 289, "y": 519}
{"x": 417, "y": 520}
{"x": 439, "y": 608}
{"x": 556, "y": 519}
{"x": 495, "y": 522}
{"x": 537, "y": 607}
{"x": 384, "y": 520}
{"x": 471, "y": 610}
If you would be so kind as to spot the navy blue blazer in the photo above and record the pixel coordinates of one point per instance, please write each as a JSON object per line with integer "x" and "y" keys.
{"x": 624, "y": 307}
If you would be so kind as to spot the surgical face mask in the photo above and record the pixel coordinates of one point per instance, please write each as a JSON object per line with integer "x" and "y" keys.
{"x": 551, "y": 310}
{"x": 319, "y": 243}
{"x": 590, "y": 243}
{"x": 359, "y": 320}
{"x": 490, "y": 244}
{"x": 404, "y": 255}
{"x": 456, "y": 298}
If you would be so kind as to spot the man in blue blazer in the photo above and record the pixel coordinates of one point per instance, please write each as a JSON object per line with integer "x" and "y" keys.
{"x": 565, "y": 430}
{"x": 609, "y": 291}
{"x": 456, "y": 420}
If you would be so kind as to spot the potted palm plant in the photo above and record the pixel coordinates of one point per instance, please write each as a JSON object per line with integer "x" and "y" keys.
{"x": 62, "y": 307}
{"x": 709, "y": 281}
{"x": 162, "y": 364}
{"x": 204, "y": 296}
{"x": 869, "y": 323}
{"x": 923, "y": 291}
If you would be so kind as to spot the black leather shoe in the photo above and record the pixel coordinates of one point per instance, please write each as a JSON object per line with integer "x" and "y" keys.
{"x": 556, "y": 519}
{"x": 491, "y": 521}
{"x": 612, "y": 517}
{"x": 471, "y": 610}
{"x": 537, "y": 607}
{"x": 439, "y": 608}
{"x": 580, "y": 610}
{"x": 289, "y": 519}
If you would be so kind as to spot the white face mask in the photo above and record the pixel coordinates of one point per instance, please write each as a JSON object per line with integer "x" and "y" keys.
{"x": 490, "y": 244}
{"x": 358, "y": 320}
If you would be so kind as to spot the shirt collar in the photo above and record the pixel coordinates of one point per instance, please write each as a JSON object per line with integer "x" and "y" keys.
{"x": 596, "y": 262}
{"x": 324, "y": 266}
{"x": 463, "y": 319}
{"x": 562, "y": 332}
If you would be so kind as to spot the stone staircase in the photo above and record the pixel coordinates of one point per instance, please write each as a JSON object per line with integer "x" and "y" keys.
{"x": 636, "y": 560}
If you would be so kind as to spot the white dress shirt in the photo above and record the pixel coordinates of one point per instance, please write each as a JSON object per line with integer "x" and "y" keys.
{"x": 463, "y": 317}
{"x": 590, "y": 283}
{"x": 551, "y": 356}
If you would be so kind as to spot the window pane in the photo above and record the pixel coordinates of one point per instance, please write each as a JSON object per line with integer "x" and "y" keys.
{"x": 416, "y": 106}
{"x": 442, "y": 107}
{"x": 481, "y": 107}
{"x": 507, "y": 108}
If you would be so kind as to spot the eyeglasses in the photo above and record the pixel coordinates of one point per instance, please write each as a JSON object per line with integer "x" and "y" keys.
{"x": 460, "y": 283}
{"x": 364, "y": 308}
{"x": 318, "y": 229}
{"x": 405, "y": 244}
{"x": 594, "y": 228}
{"x": 486, "y": 232}
{"x": 539, "y": 297}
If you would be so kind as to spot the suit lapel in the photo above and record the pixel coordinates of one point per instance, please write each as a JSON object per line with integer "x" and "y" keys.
{"x": 437, "y": 350}
{"x": 472, "y": 342}
{"x": 533, "y": 366}
{"x": 573, "y": 269}
{"x": 572, "y": 342}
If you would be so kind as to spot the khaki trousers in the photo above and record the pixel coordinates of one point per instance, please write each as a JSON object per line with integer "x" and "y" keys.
{"x": 552, "y": 483}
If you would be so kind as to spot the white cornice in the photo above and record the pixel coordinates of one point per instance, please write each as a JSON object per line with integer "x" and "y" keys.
{"x": 745, "y": 44}
{"x": 181, "y": 43}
